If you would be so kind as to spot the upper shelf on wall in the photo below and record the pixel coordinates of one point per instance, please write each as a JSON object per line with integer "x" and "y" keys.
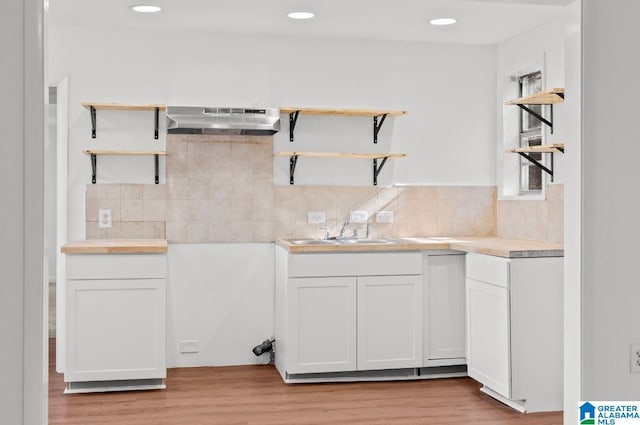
{"x": 124, "y": 107}
{"x": 546, "y": 97}
{"x": 347, "y": 112}
{"x": 375, "y": 113}
{"x": 94, "y": 106}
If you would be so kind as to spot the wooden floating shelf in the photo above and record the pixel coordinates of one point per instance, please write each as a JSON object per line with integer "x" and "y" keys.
{"x": 546, "y": 97}
{"x": 93, "y": 107}
{"x": 556, "y": 147}
{"x": 123, "y": 107}
{"x": 342, "y": 155}
{"x": 293, "y": 160}
{"x": 346, "y": 112}
{"x": 117, "y": 152}
{"x": 371, "y": 113}
{"x": 95, "y": 153}
{"x": 551, "y": 149}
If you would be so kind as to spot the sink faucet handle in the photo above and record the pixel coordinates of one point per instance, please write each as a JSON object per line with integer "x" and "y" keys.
{"x": 344, "y": 228}
{"x": 325, "y": 235}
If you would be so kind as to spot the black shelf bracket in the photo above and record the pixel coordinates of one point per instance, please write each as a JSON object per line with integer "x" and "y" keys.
{"x": 548, "y": 122}
{"x": 293, "y": 161}
{"x": 156, "y": 124}
{"x": 94, "y": 167}
{"x": 293, "y": 119}
{"x": 377, "y": 169}
{"x": 377, "y": 126}
{"x": 156, "y": 162}
{"x": 539, "y": 164}
{"x": 156, "y": 115}
{"x": 92, "y": 111}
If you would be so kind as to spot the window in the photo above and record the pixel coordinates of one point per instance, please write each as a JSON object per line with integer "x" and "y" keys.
{"x": 531, "y": 177}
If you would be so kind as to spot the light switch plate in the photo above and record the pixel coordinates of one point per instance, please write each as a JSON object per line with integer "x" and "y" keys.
{"x": 358, "y": 216}
{"x": 104, "y": 219}
{"x": 384, "y": 217}
{"x": 316, "y": 217}
{"x": 635, "y": 358}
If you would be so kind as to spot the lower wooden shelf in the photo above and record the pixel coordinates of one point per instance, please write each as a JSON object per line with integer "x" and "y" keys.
{"x": 94, "y": 159}
{"x": 293, "y": 159}
{"x": 525, "y": 151}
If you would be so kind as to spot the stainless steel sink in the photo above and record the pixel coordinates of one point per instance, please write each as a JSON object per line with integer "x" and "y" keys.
{"x": 375, "y": 241}
{"x": 372, "y": 241}
{"x": 315, "y": 242}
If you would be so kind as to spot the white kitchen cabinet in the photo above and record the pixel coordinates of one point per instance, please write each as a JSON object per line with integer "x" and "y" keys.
{"x": 444, "y": 309}
{"x": 488, "y": 343}
{"x": 389, "y": 322}
{"x": 351, "y": 312}
{"x": 514, "y": 329}
{"x": 115, "y": 322}
{"x": 323, "y": 324}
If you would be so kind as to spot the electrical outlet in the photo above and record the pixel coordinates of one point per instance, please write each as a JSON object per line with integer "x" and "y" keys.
{"x": 358, "y": 217}
{"x": 384, "y": 217}
{"x": 316, "y": 217}
{"x": 635, "y": 358}
{"x": 104, "y": 219}
{"x": 190, "y": 346}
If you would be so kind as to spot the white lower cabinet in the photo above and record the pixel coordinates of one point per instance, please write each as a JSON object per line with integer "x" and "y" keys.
{"x": 115, "y": 322}
{"x": 489, "y": 349}
{"x": 352, "y": 321}
{"x": 514, "y": 329}
{"x": 389, "y": 322}
{"x": 323, "y": 324}
{"x": 444, "y": 309}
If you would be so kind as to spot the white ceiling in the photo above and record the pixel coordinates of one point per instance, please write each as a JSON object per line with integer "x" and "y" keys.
{"x": 479, "y": 21}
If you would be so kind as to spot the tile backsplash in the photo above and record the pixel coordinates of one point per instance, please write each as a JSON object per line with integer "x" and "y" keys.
{"x": 534, "y": 220}
{"x": 219, "y": 189}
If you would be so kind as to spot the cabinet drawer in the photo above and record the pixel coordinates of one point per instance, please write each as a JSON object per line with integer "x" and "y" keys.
{"x": 489, "y": 269}
{"x": 116, "y": 266}
{"x": 355, "y": 264}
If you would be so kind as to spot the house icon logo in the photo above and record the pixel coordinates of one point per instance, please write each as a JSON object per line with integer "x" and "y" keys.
{"x": 587, "y": 414}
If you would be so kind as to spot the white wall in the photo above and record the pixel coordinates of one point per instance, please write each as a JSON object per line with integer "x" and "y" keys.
{"x": 22, "y": 356}
{"x": 573, "y": 216}
{"x": 221, "y": 295}
{"x": 539, "y": 49}
{"x": 609, "y": 205}
{"x": 448, "y": 90}
{"x": 12, "y": 212}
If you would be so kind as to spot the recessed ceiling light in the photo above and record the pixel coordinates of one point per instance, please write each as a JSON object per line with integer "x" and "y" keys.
{"x": 301, "y": 15}
{"x": 443, "y": 21}
{"x": 146, "y": 8}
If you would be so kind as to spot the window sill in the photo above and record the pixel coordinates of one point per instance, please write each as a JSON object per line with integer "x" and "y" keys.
{"x": 533, "y": 197}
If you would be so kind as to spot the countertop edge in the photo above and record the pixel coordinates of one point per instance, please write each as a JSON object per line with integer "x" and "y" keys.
{"x": 116, "y": 246}
{"x": 487, "y": 246}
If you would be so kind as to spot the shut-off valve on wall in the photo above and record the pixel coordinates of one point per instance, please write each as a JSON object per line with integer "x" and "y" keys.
{"x": 265, "y": 347}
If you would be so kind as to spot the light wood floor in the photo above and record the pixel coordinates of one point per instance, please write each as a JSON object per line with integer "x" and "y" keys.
{"x": 255, "y": 395}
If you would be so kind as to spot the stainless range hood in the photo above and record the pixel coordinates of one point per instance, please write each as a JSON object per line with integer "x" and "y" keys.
{"x": 215, "y": 120}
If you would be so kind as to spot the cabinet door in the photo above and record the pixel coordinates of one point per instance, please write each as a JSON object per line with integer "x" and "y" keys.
{"x": 389, "y": 322}
{"x": 444, "y": 328}
{"x": 322, "y": 325}
{"x": 115, "y": 329}
{"x": 488, "y": 345}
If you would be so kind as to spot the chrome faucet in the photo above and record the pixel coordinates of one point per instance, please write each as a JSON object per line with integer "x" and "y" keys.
{"x": 343, "y": 229}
